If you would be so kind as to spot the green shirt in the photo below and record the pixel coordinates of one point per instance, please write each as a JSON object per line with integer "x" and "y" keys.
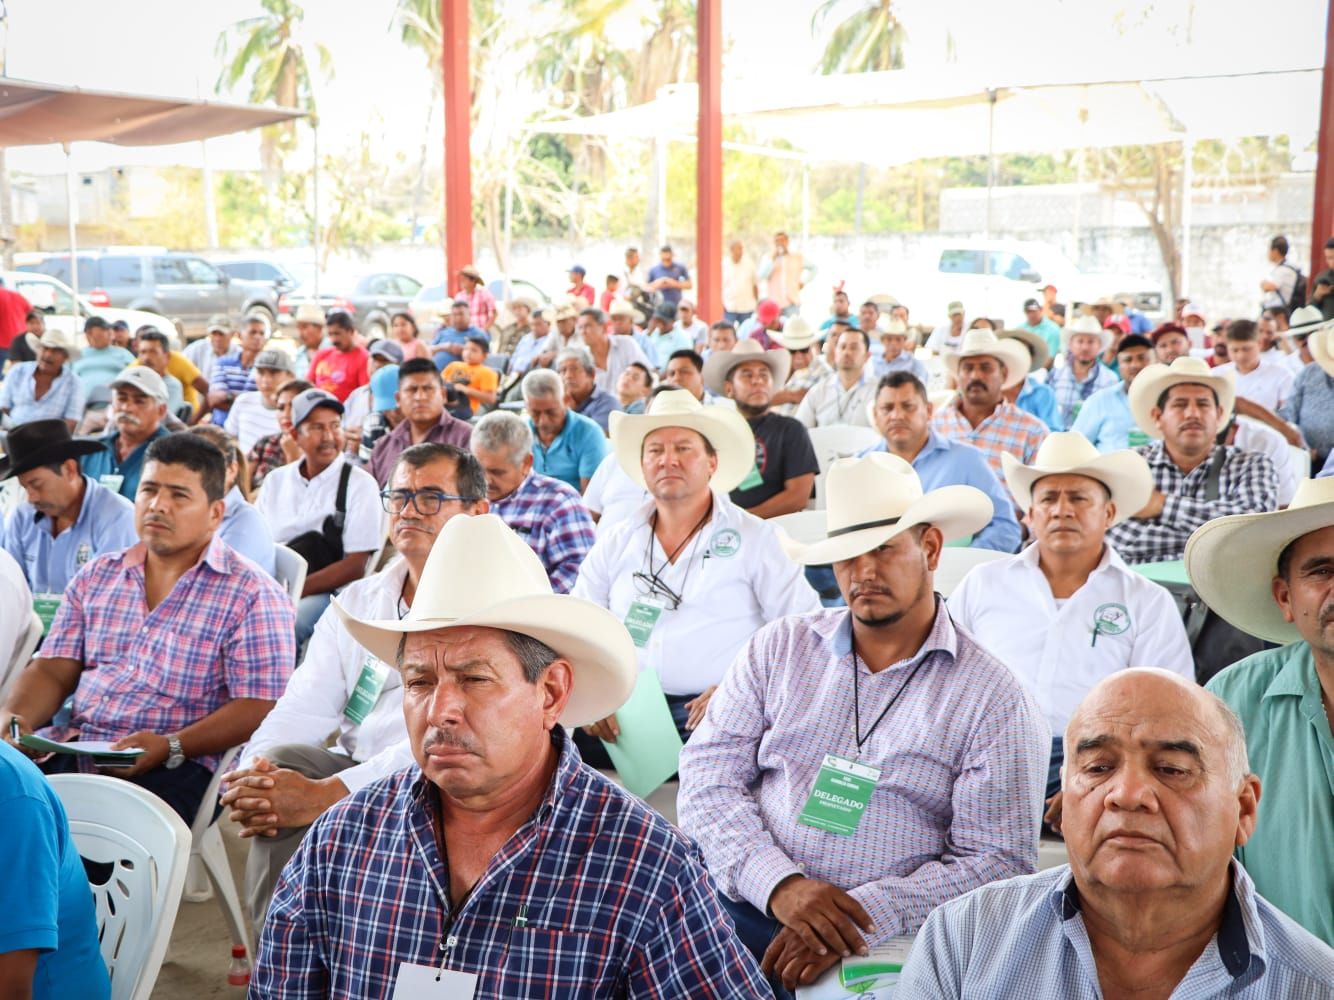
{"x": 1291, "y": 748}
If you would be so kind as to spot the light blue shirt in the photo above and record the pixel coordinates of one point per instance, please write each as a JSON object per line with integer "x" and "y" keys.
{"x": 64, "y": 400}
{"x": 662, "y": 346}
{"x": 905, "y": 362}
{"x": 1106, "y": 421}
{"x": 1025, "y": 937}
{"x": 105, "y": 524}
{"x": 574, "y": 454}
{"x": 96, "y": 367}
{"x": 524, "y": 352}
{"x": 943, "y": 462}
{"x": 245, "y": 530}
{"x": 1048, "y": 331}
{"x": 105, "y": 463}
{"x": 1038, "y": 399}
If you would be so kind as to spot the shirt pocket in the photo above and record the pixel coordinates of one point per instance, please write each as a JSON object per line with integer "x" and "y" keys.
{"x": 559, "y": 964}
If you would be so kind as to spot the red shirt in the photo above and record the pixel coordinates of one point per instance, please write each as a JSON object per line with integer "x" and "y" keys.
{"x": 585, "y": 291}
{"x": 14, "y": 309}
{"x": 338, "y": 372}
{"x": 608, "y": 297}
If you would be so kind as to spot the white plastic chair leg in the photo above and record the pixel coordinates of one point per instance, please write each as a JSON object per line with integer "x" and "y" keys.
{"x": 197, "y": 886}
{"x": 212, "y": 853}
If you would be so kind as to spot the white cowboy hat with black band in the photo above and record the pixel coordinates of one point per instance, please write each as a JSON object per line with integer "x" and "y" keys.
{"x": 1125, "y": 473}
{"x": 720, "y": 364}
{"x": 984, "y": 343}
{"x": 1156, "y": 379}
{"x": 878, "y": 496}
{"x": 723, "y": 427}
{"x": 1036, "y": 343}
{"x": 480, "y": 574}
{"x": 1087, "y": 325}
{"x": 1253, "y": 543}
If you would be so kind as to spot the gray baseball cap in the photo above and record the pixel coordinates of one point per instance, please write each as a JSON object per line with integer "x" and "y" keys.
{"x": 311, "y": 400}
{"x": 144, "y": 379}
{"x": 387, "y": 350}
{"x": 278, "y": 361}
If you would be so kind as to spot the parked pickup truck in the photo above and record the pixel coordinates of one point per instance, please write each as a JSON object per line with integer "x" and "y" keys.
{"x": 993, "y": 278}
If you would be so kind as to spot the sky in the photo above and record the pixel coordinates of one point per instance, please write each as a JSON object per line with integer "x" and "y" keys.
{"x": 168, "y": 47}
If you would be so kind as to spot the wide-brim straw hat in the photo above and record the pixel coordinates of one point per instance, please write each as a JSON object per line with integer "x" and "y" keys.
{"x": 723, "y": 427}
{"x": 1321, "y": 343}
{"x": 1125, "y": 473}
{"x": 797, "y": 335}
{"x": 984, "y": 343}
{"x": 1156, "y": 379}
{"x": 720, "y": 364}
{"x": 481, "y": 574}
{"x": 1036, "y": 343}
{"x": 309, "y": 312}
{"x": 1232, "y": 561}
{"x": 1088, "y": 325}
{"x": 57, "y": 340}
{"x": 878, "y": 496}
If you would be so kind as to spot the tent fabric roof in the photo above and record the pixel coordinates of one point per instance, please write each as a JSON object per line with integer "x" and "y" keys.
{"x": 40, "y": 113}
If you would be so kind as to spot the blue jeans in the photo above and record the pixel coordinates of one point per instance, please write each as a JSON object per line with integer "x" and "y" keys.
{"x": 823, "y": 580}
{"x": 755, "y": 930}
{"x": 736, "y": 318}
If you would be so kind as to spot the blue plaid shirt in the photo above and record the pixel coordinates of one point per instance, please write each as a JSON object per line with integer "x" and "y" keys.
{"x": 1071, "y": 393}
{"x": 551, "y": 517}
{"x": 594, "y": 896}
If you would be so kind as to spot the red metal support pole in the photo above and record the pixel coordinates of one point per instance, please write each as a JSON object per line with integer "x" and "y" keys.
{"x": 458, "y": 139}
{"x": 709, "y": 169}
{"x": 1322, "y": 221}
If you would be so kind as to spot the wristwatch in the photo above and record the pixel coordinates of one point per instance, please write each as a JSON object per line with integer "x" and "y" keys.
{"x": 175, "y": 755}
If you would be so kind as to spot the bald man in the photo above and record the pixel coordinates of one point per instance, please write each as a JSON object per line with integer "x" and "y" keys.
{"x": 1157, "y": 793}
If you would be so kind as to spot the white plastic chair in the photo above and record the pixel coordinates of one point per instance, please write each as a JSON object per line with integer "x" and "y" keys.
{"x": 11, "y": 495}
{"x": 209, "y": 867}
{"x": 1301, "y": 463}
{"x": 1051, "y": 853}
{"x": 289, "y": 568}
{"x": 114, "y": 822}
{"x": 833, "y": 442}
{"x": 24, "y": 652}
{"x": 955, "y": 564}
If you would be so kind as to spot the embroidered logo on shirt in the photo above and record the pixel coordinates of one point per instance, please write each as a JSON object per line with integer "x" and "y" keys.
{"x": 725, "y": 542}
{"x": 1111, "y": 619}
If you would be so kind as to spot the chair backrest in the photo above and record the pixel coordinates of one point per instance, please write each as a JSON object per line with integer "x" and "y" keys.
{"x": 1301, "y": 462}
{"x": 955, "y": 564}
{"x": 147, "y": 846}
{"x": 26, "y": 647}
{"x": 290, "y": 569}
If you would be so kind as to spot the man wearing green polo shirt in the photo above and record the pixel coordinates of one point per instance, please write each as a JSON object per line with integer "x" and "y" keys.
{"x": 566, "y": 445}
{"x": 1285, "y": 696}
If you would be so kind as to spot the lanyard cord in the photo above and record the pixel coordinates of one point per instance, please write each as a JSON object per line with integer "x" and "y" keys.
{"x": 856, "y": 702}
{"x": 648, "y": 549}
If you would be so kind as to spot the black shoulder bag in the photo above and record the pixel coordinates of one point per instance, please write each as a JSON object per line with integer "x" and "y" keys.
{"x": 324, "y": 547}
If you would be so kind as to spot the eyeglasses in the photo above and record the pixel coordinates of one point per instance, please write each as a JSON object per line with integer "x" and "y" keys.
{"x": 650, "y": 585}
{"x": 424, "y": 502}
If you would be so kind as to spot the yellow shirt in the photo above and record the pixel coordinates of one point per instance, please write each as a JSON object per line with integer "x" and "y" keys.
{"x": 185, "y": 372}
{"x": 479, "y": 377}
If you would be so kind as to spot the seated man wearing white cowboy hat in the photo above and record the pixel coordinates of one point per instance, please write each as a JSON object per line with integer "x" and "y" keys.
{"x": 984, "y": 367}
{"x": 45, "y": 389}
{"x": 1083, "y": 374}
{"x": 1034, "y": 395}
{"x": 500, "y": 866}
{"x": 808, "y": 366}
{"x": 1272, "y": 575}
{"x": 1067, "y": 611}
{"x": 1183, "y": 406}
{"x": 861, "y": 765}
{"x": 783, "y": 472}
{"x": 690, "y": 573}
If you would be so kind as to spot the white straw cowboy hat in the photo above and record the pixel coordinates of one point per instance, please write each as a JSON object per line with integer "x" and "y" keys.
{"x": 309, "y": 312}
{"x": 720, "y": 364}
{"x": 1125, "y": 473}
{"x": 1321, "y": 343}
{"x": 1305, "y": 320}
{"x": 621, "y": 307}
{"x": 984, "y": 343}
{"x": 1089, "y": 325}
{"x": 481, "y": 574}
{"x": 1156, "y": 379}
{"x": 723, "y": 427}
{"x": 1036, "y": 343}
{"x": 57, "y": 340}
{"x": 1252, "y": 544}
{"x": 878, "y": 496}
{"x": 796, "y": 335}
{"x": 566, "y": 308}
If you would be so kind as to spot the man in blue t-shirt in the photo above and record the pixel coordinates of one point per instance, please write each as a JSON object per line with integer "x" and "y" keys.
{"x": 101, "y": 360}
{"x": 450, "y": 338}
{"x": 48, "y": 941}
{"x": 667, "y": 278}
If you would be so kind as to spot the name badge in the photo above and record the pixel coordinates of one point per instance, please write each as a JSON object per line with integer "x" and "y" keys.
{"x": 842, "y": 790}
{"x": 426, "y": 982}
{"x": 367, "y": 692}
{"x": 111, "y": 481}
{"x": 1136, "y": 439}
{"x": 46, "y": 606}
{"x": 640, "y": 620}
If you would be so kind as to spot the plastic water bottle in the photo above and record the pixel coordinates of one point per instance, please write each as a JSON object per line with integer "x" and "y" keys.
{"x": 238, "y": 973}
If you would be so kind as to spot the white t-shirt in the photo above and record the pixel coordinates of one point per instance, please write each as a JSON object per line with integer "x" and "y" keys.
{"x": 942, "y": 339}
{"x": 293, "y": 504}
{"x": 1268, "y": 385}
{"x": 1285, "y": 278}
{"x": 612, "y": 495}
{"x": 15, "y": 606}
{"x": 249, "y": 419}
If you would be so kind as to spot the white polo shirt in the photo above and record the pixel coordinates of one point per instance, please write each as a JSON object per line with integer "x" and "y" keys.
{"x": 732, "y": 577}
{"x": 315, "y": 702}
{"x": 827, "y": 402}
{"x": 293, "y": 504}
{"x": 612, "y": 495}
{"x": 1268, "y": 385}
{"x": 1007, "y": 605}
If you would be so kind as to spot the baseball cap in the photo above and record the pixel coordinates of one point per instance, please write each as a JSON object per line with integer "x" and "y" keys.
{"x": 277, "y": 361}
{"x": 388, "y": 351}
{"x": 311, "y": 400}
{"x": 665, "y": 311}
{"x": 120, "y": 324}
{"x": 94, "y": 323}
{"x": 1032, "y": 304}
{"x": 767, "y": 311}
{"x": 144, "y": 379}
{"x": 954, "y": 308}
{"x": 1191, "y": 309}
{"x": 578, "y": 269}
{"x": 384, "y": 384}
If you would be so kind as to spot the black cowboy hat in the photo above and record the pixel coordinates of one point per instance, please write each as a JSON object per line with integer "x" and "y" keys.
{"x": 42, "y": 442}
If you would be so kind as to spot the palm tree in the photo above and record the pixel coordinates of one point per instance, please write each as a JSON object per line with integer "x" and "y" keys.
{"x": 264, "y": 49}
{"x": 869, "y": 39}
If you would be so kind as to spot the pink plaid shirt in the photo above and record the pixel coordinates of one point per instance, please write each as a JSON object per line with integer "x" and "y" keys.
{"x": 1007, "y": 429}
{"x": 225, "y": 631}
{"x": 482, "y": 305}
